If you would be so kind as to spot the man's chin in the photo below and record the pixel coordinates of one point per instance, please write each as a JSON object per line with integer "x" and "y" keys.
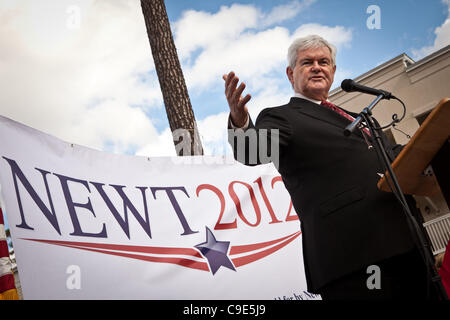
{"x": 317, "y": 84}
{"x": 317, "y": 92}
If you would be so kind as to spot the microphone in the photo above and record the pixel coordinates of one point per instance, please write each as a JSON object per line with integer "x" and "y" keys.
{"x": 348, "y": 85}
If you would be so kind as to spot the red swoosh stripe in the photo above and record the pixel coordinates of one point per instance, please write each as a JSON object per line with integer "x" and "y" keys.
{"x": 173, "y": 260}
{"x": 256, "y": 246}
{"x": 185, "y": 262}
{"x": 179, "y": 261}
{"x": 119, "y": 247}
{"x": 241, "y": 261}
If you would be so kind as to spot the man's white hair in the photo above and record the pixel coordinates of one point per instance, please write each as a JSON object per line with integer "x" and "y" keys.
{"x": 311, "y": 41}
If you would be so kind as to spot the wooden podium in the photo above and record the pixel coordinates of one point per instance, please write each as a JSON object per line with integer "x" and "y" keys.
{"x": 423, "y": 166}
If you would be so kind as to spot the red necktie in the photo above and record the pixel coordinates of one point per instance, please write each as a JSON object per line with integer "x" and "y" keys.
{"x": 331, "y": 106}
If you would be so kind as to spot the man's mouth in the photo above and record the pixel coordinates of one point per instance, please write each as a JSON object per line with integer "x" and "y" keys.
{"x": 317, "y": 78}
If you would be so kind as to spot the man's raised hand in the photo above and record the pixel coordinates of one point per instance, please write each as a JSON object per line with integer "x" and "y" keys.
{"x": 237, "y": 103}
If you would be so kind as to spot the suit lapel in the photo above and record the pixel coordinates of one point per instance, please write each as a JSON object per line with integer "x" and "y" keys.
{"x": 322, "y": 113}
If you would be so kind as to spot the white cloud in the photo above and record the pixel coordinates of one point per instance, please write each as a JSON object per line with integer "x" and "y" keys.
{"x": 119, "y": 124}
{"x": 213, "y": 134}
{"x": 285, "y": 12}
{"x": 78, "y": 84}
{"x": 241, "y": 38}
{"x": 252, "y": 54}
{"x": 442, "y": 37}
{"x": 93, "y": 85}
{"x": 338, "y": 35}
{"x": 238, "y": 38}
{"x": 198, "y": 29}
{"x": 161, "y": 145}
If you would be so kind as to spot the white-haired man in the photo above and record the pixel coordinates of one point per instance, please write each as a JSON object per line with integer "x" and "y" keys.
{"x": 347, "y": 223}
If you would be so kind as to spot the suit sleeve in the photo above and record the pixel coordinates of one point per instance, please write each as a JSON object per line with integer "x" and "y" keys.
{"x": 263, "y": 141}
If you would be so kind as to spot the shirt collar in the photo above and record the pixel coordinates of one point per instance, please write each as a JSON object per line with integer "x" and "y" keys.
{"x": 299, "y": 95}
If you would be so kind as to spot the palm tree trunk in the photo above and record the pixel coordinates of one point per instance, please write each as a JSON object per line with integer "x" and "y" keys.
{"x": 173, "y": 87}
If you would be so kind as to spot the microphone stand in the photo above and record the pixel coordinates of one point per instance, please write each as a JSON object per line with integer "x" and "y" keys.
{"x": 419, "y": 238}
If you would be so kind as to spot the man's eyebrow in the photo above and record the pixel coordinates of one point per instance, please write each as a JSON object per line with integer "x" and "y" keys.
{"x": 312, "y": 58}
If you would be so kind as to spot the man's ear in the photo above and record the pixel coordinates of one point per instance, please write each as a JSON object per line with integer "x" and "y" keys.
{"x": 290, "y": 75}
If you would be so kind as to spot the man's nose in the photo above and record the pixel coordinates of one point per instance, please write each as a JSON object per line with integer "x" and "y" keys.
{"x": 315, "y": 67}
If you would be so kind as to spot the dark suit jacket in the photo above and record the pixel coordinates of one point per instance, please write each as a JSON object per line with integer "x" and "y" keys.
{"x": 347, "y": 223}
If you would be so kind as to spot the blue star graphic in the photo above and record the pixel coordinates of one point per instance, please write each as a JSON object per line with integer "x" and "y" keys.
{"x": 215, "y": 252}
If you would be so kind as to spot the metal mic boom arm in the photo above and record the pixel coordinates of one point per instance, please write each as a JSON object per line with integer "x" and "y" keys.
{"x": 368, "y": 111}
{"x": 418, "y": 236}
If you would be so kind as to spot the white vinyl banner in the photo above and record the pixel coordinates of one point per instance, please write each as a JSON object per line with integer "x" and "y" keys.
{"x": 93, "y": 225}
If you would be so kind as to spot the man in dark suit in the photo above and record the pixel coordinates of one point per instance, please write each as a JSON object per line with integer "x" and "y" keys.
{"x": 356, "y": 240}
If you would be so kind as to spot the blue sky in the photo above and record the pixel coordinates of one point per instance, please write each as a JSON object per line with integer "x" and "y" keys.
{"x": 406, "y": 26}
{"x": 82, "y": 70}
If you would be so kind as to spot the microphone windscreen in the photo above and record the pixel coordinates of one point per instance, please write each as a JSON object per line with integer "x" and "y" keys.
{"x": 347, "y": 85}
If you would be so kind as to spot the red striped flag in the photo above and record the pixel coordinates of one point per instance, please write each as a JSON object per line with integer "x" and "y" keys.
{"x": 8, "y": 289}
{"x": 444, "y": 271}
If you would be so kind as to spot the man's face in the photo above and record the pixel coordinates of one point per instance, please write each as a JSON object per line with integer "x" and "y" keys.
{"x": 313, "y": 73}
